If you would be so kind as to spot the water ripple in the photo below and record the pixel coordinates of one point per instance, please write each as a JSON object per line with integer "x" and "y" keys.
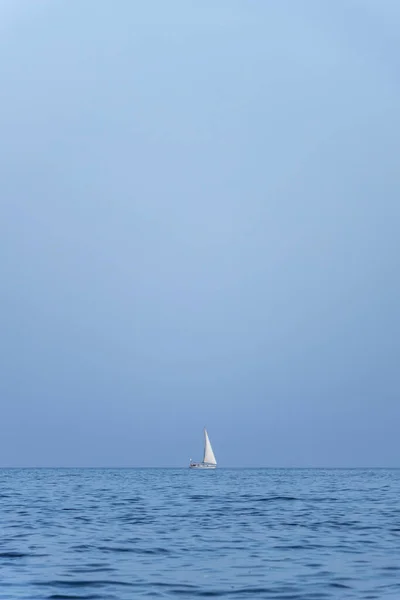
{"x": 274, "y": 534}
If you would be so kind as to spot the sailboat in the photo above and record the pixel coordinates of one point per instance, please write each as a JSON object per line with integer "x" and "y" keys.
{"x": 209, "y": 461}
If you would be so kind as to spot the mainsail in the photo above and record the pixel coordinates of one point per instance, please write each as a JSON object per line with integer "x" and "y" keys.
{"x": 208, "y": 451}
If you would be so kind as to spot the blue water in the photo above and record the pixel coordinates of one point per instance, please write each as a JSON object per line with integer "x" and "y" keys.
{"x": 124, "y": 534}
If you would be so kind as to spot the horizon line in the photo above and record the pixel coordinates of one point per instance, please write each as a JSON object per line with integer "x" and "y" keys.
{"x": 276, "y": 468}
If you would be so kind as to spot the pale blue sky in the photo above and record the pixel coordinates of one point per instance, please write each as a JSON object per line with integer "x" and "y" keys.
{"x": 199, "y": 224}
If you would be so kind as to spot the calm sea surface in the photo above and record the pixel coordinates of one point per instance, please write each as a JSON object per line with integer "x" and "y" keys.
{"x": 144, "y": 533}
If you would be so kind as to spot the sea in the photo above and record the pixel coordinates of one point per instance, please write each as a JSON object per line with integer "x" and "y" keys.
{"x": 122, "y": 534}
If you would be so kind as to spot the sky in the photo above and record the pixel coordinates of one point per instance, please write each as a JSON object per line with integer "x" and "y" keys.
{"x": 199, "y": 225}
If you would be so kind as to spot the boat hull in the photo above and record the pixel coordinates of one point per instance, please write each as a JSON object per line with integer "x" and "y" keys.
{"x": 202, "y": 466}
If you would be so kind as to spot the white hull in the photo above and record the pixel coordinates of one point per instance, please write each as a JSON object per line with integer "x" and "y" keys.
{"x": 202, "y": 466}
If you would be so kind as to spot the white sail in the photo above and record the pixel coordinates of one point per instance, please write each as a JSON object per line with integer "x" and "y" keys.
{"x": 208, "y": 451}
